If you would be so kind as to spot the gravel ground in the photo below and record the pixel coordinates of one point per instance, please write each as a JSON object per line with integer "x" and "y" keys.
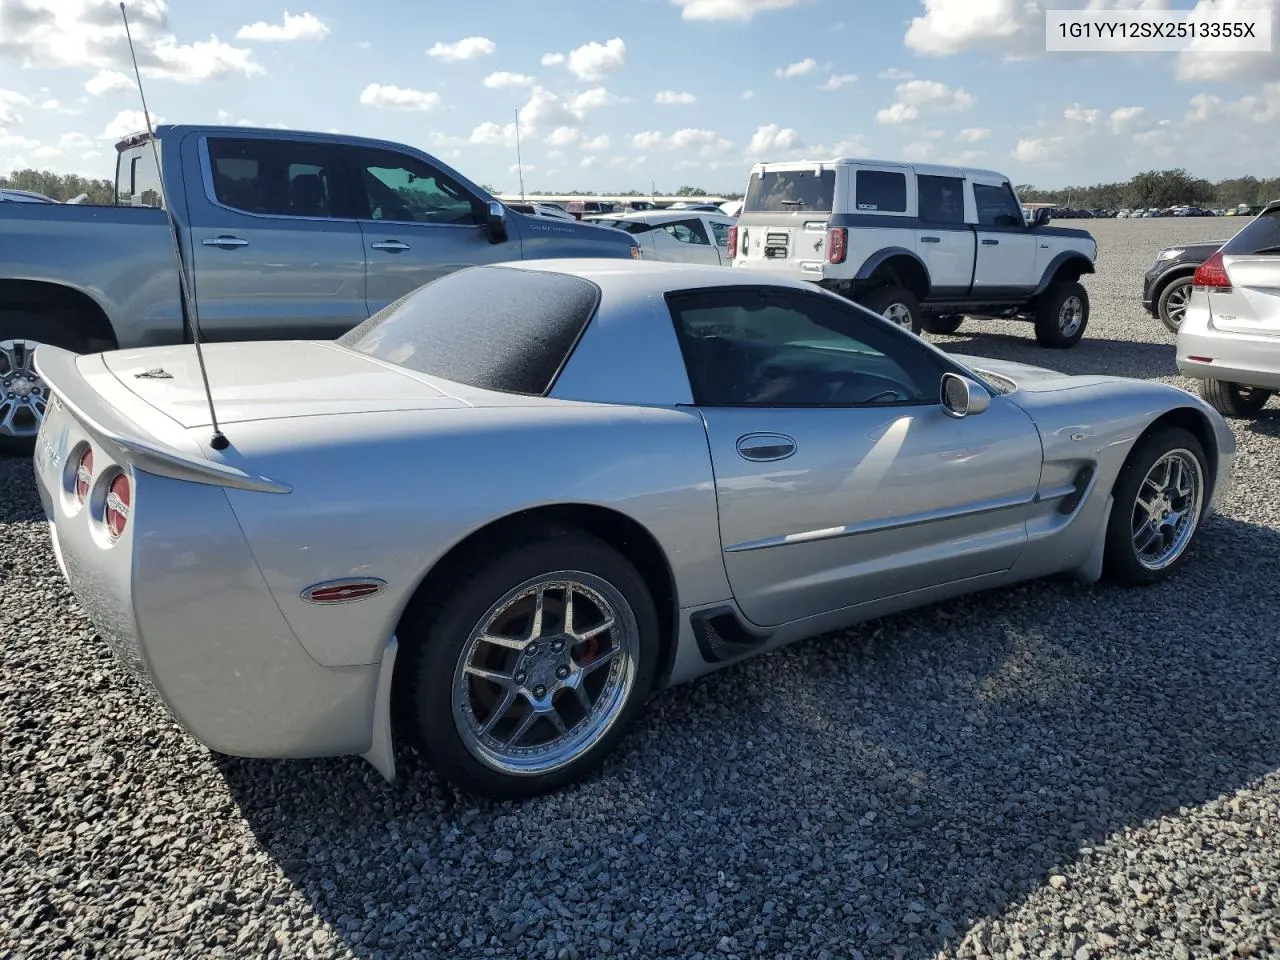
{"x": 1051, "y": 770}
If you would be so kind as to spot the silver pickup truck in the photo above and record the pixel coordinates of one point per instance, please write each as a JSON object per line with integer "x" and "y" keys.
{"x": 286, "y": 235}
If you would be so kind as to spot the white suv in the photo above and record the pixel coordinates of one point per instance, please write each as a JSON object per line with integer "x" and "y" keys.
{"x": 1229, "y": 338}
{"x": 924, "y": 245}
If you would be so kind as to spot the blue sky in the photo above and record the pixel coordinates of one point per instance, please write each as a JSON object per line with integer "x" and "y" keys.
{"x": 626, "y": 95}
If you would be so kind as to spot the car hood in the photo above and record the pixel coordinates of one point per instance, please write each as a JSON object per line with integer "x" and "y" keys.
{"x": 263, "y": 380}
{"x": 1033, "y": 379}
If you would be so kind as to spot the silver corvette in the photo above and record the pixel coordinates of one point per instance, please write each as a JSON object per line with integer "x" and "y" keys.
{"x": 496, "y": 515}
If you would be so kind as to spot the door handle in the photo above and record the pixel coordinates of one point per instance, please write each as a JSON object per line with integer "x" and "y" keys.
{"x": 930, "y": 239}
{"x": 765, "y": 446}
{"x": 391, "y": 246}
{"x": 991, "y": 243}
{"x": 1044, "y": 246}
{"x": 225, "y": 242}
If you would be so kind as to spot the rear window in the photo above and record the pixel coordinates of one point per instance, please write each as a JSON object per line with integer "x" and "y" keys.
{"x": 792, "y": 191}
{"x": 1262, "y": 235}
{"x": 498, "y": 328}
{"x": 880, "y": 191}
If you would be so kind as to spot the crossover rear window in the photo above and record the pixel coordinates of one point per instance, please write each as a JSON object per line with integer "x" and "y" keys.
{"x": 1261, "y": 235}
{"x": 499, "y": 328}
{"x": 792, "y": 191}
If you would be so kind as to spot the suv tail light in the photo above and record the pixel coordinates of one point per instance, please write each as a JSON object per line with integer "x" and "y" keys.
{"x": 1212, "y": 274}
{"x": 733, "y": 241}
{"x": 119, "y": 496}
{"x": 837, "y": 244}
{"x": 84, "y": 475}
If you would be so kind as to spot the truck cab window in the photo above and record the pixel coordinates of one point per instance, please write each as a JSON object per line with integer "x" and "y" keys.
{"x": 997, "y": 206}
{"x": 272, "y": 177}
{"x": 402, "y": 188}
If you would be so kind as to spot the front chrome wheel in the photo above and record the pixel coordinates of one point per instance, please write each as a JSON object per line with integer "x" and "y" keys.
{"x": 900, "y": 314}
{"x": 1070, "y": 316}
{"x": 1167, "y": 509}
{"x": 1175, "y": 305}
{"x": 23, "y": 394}
{"x": 546, "y": 673}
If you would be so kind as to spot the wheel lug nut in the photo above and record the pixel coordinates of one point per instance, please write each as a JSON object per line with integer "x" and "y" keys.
{"x": 539, "y": 691}
{"x": 562, "y": 671}
{"x": 520, "y": 677}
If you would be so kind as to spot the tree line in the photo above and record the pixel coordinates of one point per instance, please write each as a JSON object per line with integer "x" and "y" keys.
{"x": 1153, "y": 188}
{"x": 1158, "y": 188}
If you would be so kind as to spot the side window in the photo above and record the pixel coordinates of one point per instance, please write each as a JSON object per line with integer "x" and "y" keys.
{"x": 687, "y": 231}
{"x": 880, "y": 191}
{"x": 997, "y": 206}
{"x": 402, "y": 188}
{"x": 747, "y": 348}
{"x": 721, "y": 232}
{"x": 941, "y": 199}
{"x": 284, "y": 178}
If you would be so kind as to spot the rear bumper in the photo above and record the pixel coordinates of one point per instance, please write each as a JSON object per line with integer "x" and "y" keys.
{"x": 180, "y": 600}
{"x": 1245, "y": 359}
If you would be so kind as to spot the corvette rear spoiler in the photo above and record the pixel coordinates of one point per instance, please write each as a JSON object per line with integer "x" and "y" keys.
{"x": 58, "y": 368}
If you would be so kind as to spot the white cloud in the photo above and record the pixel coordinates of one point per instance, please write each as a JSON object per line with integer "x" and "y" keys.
{"x": 467, "y": 48}
{"x": 9, "y": 99}
{"x": 74, "y": 141}
{"x": 673, "y": 98}
{"x": 893, "y": 73}
{"x": 853, "y": 146}
{"x": 1204, "y": 106}
{"x": 973, "y": 134}
{"x": 589, "y": 162}
{"x": 1040, "y": 150}
{"x": 601, "y": 142}
{"x": 127, "y": 122}
{"x": 1123, "y": 118}
{"x": 917, "y": 151}
{"x": 1217, "y": 66}
{"x": 797, "y": 69}
{"x": 226, "y": 118}
{"x": 748, "y": 94}
{"x": 563, "y": 136}
{"x": 491, "y": 134}
{"x": 838, "y": 80}
{"x": 387, "y": 97}
{"x": 647, "y": 140}
{"x": 305, "y": 26}
{"x": 502, "y": 80}
{"x": 89, "y": 35}
{"x": 1260, "y": 108}
{"x": 595, "y": 61}
{"x": 109, "y": 81}
{"x": 521, "y": 168}
{"x": 912, "y": 97}
{"x": 591, "y": 99}
{"x": 742, "y": 10}
{"x": 1079, "y": 114}
{"x": 552, "y": 59}
{"x": 708, "y": 143}
{"x": 544, "y": 109}
{"x": 772, "y": 139}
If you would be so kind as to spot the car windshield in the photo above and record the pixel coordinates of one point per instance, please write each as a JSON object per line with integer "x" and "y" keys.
{"x": 792, "y": 191}
{"x": 499, "y": 328}
{"x": 1260, "y": 236}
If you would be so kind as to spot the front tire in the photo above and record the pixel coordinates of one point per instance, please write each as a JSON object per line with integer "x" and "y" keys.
{"x": 526, "y": 671}
{"x": 1161, "y": 497}
{"x": 1233, "y": 399}
{"x": 1062, "y": 314}
{"x": 1171, "y": 305}
{"x": 895, "y": 304}
{"x": 947, "y": 324}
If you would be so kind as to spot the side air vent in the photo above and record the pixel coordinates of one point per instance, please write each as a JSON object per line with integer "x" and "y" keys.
{"x": 722, "y": 636}
{"x": 1079, "y": 485}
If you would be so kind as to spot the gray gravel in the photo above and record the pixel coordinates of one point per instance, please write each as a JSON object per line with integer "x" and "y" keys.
{"x": 1046, "y": 771}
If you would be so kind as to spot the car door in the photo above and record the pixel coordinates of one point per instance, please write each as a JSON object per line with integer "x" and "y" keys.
{"x": 840, "y": 478}
{"x": 943, "y": 240}
{"x": 275, "y": 250}
{"x": 418, "y": 224}
{"x": 685, "y": 241}
{"x": 718, "y": 227}
{"x": 1007, "y": 248}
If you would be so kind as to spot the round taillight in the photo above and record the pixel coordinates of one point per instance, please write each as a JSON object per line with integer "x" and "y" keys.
{"x": 84, "y": 475}
{"x": 117, "y": 512}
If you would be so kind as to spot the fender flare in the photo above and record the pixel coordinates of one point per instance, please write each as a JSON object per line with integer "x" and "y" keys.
{"x": 877, "y": 259}
{"x": 1060, "y": 260}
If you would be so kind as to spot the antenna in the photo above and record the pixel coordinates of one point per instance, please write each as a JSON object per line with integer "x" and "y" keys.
{"x": 519, "y": 162}
{"x": 217, "y": 441}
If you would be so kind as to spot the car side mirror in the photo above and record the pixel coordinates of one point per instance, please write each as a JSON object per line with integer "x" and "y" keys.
{"x": 1040, "y": 217}
{"x": 497, "y": 222}
{"x": 962, "y": 397}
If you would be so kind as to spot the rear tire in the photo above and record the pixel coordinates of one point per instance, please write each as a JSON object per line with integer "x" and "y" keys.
{"x": 947, "y": 324}
{"x": 1233, "y": 399}
{"x": 23, "y": 395}
{"x": 448, "y": 709}
{"x": 895, "y": 304}
{"x": 1175, "y": 519}
{"x": 1062, "y": 314}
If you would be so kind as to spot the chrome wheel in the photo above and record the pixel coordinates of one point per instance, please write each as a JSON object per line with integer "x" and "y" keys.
{"x": 898, "y": 313}
{"x": 23, "y": 395}
{"x": 546, "y": 673}
{"x": 1167, "y": 509}
{"x": 1176, "y": 304}
{"x": 1070, "y": 316}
